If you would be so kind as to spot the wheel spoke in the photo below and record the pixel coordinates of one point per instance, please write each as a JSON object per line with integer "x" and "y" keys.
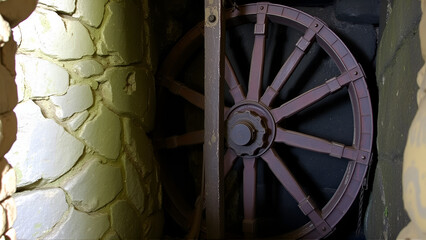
{"x": 288, "y": 67}
{"x": 249, "y": 200}
{"x": 233, "y": 83}
{"x": 229, "y": 160}
{"x": 249, "y": 187}
{"x": 310, "y": 97}
{"x": 257, "y": 58}
{"x": 283, "y": 174}
{"x": 187, "y": 139}
{"x": 315, "y": 144}
{"x": 187, "y": 93}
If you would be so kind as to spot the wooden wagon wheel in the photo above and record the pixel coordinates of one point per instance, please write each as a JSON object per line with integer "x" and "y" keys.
{"x": 255, "y": 118}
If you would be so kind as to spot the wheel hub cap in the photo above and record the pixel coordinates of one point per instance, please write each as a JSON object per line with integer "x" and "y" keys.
{"x": 249, "y": 128}
{"x": 242, "y": 133}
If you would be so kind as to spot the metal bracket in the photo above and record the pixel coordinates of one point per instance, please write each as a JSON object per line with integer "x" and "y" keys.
{"x": 214, "y": 43}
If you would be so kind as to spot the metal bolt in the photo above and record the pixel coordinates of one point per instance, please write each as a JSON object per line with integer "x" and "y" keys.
{"x": 316, "y": 24}
{"x": 324, "y": 229}
{"x": 363, "y": 157}
{"x": 212, "y": 18}
{"x": 356, "y": 73}
{"x": 261, "y": 8}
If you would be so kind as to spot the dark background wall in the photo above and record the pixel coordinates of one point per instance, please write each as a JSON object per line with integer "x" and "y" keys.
{"x": 398, "y": 61}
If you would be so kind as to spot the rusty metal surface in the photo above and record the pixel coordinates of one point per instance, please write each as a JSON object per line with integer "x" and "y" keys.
{"x": 253, "y": 122}
{"x": 214, "y": 63}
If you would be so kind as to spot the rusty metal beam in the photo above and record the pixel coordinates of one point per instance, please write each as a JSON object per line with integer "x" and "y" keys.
{"x": 213, "y": 123}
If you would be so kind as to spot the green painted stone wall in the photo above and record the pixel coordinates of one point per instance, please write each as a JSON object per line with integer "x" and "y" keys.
{"x": 398, "y": 61}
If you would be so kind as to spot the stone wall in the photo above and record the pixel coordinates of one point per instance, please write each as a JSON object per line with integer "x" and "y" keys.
{"x": 414, "y": 168}
{"x": 84, "y": 164}
{"x": 11, "y": 14}
{"x": 398, "y": 61}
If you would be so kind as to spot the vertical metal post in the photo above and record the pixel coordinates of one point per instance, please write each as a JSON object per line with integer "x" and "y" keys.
{"x": 214, "y": 119}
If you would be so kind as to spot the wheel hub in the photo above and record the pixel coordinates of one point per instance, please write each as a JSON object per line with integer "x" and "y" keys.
{"x": 243, "y": 133}
{"x": 249, "y": 128}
